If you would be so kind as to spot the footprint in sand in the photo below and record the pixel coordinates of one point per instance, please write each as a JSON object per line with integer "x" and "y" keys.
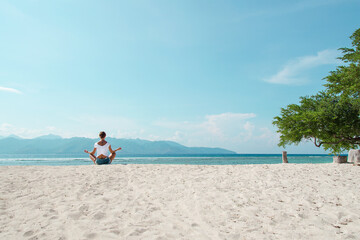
{"x": 90, "y": 235}
{"x": 75, "y": 216}
{"x": 138, "y": 232}
{"x": 84, "y": 208}
{"x": 28, "y": 233}
{"x": 99, "y": 215}
{"x": 117, "y": 232}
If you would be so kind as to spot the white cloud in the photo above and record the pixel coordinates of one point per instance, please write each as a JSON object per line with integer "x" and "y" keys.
{"x": 227, "y": 130}
{"x": 234, "y": 131}
{"x": 12, "y": 90}
{"x": 113, "y": 125}
{"x": 225, "y": 124}
{"x": 7, "y": 129}
{"x": 292, "y": 73}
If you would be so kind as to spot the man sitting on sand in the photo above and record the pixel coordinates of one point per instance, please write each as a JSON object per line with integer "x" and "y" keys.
{"x": 103, "y": 148}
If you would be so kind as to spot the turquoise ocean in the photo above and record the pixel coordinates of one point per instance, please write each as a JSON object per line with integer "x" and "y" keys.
{"x": 235, "y": 159}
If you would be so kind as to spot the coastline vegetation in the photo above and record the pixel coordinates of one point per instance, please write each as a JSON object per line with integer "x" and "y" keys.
{"x": 331, "y": 118}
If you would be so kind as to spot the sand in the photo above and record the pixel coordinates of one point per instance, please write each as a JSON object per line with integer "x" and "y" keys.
{"x": 281, "y": 201}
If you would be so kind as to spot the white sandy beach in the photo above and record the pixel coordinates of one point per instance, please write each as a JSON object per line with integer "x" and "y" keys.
{"x": 282, "y": 201}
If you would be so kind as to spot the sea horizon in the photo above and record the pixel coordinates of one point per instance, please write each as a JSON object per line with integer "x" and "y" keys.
{"x": 182, "y": 159}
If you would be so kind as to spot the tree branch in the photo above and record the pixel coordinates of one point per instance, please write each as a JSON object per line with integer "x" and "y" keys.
{"x": 317, "y": 144}
{"x": 351, "y": 140}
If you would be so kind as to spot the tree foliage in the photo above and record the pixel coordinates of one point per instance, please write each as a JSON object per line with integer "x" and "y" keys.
{"x": 331, "y": 118}
{"x": 345, "y": 80}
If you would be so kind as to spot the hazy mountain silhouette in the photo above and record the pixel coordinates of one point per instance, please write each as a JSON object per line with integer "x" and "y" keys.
{"x": 49, "y": 136}
{"x": 53, "y": 144}
{"x": 13, "y": 136}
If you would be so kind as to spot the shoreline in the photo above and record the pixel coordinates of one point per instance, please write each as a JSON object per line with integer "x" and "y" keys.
{"x": 144, "y": 201}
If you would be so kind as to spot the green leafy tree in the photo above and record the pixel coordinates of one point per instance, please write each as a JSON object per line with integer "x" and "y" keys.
{"x": 331, "y": 118}
{"x": 345, "y": 80}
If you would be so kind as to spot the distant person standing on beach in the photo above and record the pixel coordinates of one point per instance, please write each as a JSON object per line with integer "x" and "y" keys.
{"x": 103, "y": 149}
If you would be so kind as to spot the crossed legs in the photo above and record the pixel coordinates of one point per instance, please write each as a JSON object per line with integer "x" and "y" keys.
{"x": 93, "y": 158}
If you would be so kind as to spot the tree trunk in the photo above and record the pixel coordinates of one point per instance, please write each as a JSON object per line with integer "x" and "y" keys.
{"x": 339, "y": 159}
{"x": 284, "y": 157}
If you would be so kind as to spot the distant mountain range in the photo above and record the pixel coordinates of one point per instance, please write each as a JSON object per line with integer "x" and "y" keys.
{"x": 53, "y": 144}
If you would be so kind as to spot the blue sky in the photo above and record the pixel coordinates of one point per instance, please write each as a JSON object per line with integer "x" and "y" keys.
{"x": 202, "y": 73}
